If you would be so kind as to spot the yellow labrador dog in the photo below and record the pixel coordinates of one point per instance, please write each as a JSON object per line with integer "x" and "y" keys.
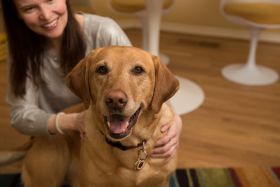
{"x": 124, "y": 90}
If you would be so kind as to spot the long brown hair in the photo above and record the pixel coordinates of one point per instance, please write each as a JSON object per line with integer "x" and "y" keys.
{"x": 26, "y": 48}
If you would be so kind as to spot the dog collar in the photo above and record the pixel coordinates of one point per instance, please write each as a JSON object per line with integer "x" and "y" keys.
{"x": 142, "y": 154}
{"x": 122, "y": 147}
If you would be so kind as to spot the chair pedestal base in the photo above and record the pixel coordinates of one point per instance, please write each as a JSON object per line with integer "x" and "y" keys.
{"x": 250, "y": 75}
{"x": 188, "y": 98}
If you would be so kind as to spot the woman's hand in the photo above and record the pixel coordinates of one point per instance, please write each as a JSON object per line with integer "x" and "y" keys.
{"x": 62, "y": 123}
{"x": 166, "y": 146}
{"x": 79, "y": 123}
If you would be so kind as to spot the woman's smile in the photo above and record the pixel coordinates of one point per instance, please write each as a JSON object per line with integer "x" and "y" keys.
{"x": 51, "y": 25}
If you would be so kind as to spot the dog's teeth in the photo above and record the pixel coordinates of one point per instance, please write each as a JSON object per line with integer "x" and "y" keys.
{"x": 126, "y": 125}
{"x": 108, "y": 123}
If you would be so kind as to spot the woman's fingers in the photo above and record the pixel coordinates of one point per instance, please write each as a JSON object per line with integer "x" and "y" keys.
{"x": 164, "y": 128}
{"x": 166, "y": 151}
{"x": 166, "y": 146}
{"x": 79, "y": 123}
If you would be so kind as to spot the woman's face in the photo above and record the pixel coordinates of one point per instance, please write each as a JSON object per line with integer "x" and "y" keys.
{"x": 45, "y": 17}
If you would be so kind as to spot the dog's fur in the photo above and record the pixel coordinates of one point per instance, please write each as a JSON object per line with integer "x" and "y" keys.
{"x": 118, "y": 85}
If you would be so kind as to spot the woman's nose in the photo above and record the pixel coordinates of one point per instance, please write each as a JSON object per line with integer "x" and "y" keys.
{"x": 45, "y": 13}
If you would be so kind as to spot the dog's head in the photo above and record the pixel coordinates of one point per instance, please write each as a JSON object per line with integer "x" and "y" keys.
{"x": 120, "y": 83}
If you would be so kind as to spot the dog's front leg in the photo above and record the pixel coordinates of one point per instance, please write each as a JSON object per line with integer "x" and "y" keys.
{"x": 46, "y": 163}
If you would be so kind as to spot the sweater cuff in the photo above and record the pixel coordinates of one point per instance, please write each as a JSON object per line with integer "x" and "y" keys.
{"x": 42, "y": 128}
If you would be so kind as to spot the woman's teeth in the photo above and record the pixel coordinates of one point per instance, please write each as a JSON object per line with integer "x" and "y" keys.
{"x": 51, "y": 25}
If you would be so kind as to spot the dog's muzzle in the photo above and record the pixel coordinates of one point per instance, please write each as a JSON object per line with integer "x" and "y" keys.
{"x": 119, "y": 126}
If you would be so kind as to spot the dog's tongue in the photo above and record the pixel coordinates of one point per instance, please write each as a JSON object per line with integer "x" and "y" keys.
{"x": 118, "y": 124}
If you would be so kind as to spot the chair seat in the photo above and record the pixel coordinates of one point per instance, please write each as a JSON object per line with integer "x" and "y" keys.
{"x": 127, "y": 6}
{"x": 257, "y": 15}
{"x": 261, "y": 13}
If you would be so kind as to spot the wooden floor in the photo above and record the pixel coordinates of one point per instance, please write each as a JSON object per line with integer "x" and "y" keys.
{"x": 235, "y": 126}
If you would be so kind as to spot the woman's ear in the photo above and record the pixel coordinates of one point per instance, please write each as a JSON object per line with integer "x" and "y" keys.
{"x": 166, "y": 85}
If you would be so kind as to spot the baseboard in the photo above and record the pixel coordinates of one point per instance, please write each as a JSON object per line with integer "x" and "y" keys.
{"x": 205, "y": 30}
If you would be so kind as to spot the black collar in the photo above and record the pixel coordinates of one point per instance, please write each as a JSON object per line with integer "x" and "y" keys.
{"x": 122, "y": 147}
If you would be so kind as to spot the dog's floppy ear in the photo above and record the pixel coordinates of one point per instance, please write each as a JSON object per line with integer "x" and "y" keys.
{"x": 77, "y": 81}
{"x": 165, "y": 87}
{"x": 78, "y": 78}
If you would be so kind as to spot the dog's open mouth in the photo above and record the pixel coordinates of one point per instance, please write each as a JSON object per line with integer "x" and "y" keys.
{"x": 119, "y": 126}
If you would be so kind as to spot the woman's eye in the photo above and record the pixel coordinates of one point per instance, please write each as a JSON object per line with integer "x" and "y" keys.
{"x": 102, "y": 70}
{"x": 50, "y": 1}
{"x": 28, "y": 9}
{"x": 137, "y": 70}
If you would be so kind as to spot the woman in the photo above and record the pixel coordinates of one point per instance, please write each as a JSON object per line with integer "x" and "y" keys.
{"x": 46, "y": 39}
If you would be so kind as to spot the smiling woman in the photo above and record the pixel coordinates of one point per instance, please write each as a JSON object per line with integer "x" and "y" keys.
{"x": 43, "y": 42}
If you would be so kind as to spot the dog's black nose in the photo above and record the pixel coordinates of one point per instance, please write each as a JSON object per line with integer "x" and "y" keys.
{"x": 116, "y": 100}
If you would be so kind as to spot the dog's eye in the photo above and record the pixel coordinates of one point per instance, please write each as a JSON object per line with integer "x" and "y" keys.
{"x": 137, "y": 70}
{"x": 102, "y": 70}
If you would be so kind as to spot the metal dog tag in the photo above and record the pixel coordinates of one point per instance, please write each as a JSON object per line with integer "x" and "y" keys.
{"x": 139, "y": 164}
{"x": 142, "y": 155}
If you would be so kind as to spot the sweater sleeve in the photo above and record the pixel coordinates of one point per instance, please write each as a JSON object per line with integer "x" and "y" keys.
{"x": 26, "y": 116}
